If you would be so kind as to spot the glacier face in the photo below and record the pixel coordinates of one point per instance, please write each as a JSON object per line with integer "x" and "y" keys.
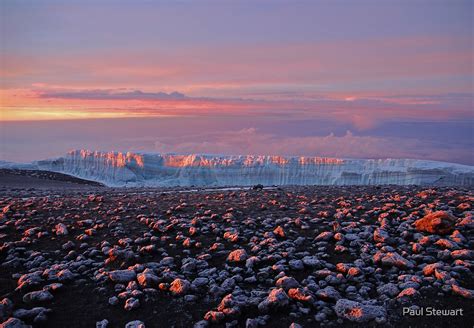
{"x": 148, "y": 169}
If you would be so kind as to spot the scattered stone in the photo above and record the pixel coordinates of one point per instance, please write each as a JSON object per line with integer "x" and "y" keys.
{"x": 179, "y": 286}
{"x": 38, "y": 296}
{"x": 440, "y": 223}
{"x": 122, "y": 276}
{"x": 392, "y": 259}
{"x": 358, "y": 312}
{"x": 239, "y": 255}
{"x": 135, "y": 324}
{"x": 276, "y": 299}
{"x": 14, "y": 323}
{"x": 131, "y": 303}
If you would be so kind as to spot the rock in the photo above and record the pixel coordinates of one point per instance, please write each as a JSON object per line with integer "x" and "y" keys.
{"x": 390, "y": 290}
{"x": 65, "y": 275}
{"x": 287, "y": 282}
{"x": 147, "y": 279}
{"x": 113, "y": 300}
{"x": 239, "y": 255}
{"x": 135, "y": 324}
{"x": 324, "y": 236}
{"x": 30, "y": 279}
{"x": 200, "y": 281}
{"x": 299, "y": 294}
{"x": 214, "y": 316}
{"x": 14, "y": 323}
{"x": 34, "y": 313}
{"x": 201, "y": 324}
{"x": 463, "y": 254}
{"x": 328, "y": 294}
{"x": 295, "y": 325}
{"x": 279, "y": 232}
{"x": 408, "y": 292}
{"x": 122, "y": 276}
{"x": 392, "y": 259}
{"x": 429, "y": 269}
{"x": 6, "y": 307}
{"x": 311, "y": 261}
{"x": 296, "y": 264}
{"x": 381, "y": 235}
{"x": 131, "y": 303}
{"x": 53, "y": 287}
{"x": 464, "y": 292}
{"x": 358, "y": 312}
{"x": 102, "y": 324}
{"x": 251, "y": 262}
{"x": 61, "y": 229}
{"x": 440, "y": 223}
{"x": 276, "y": 299}
{"x": 179, "y": 286}
{"x": 38, "y": 296}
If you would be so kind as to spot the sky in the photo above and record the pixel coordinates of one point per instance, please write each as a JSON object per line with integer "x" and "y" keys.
{"x": 363, "y": 79}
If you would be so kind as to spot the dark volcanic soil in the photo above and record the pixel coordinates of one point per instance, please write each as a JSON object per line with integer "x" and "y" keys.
{"x": 15, "y": 179}
{"x": 325, "y": 253}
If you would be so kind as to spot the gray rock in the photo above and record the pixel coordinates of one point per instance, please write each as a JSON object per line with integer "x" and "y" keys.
{"x": 328, "y": 294}
{"x": 358, "y": 312}
{"x": 296, "y": 264}
{"x": 38, "y": 296}
{"x": 14, "y": 323}
{"x": 179, "y": 286}
{"x": 276, "y": 299}
{"x": 113, "y": 300}
{"x": 147, "y": 279}
{"x": 122, "y": 275}
{"x": 135, "y": 324}
{"x": 6, "y": 307}
{"x": 287, "y": 283}
{"x": 131, "y": 303}
{"x": 389, "y": 289}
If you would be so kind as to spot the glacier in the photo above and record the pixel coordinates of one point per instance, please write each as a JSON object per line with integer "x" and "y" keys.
{"x": 127, "y": 169}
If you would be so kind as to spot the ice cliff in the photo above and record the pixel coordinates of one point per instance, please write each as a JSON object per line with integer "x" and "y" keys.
{"x": 148, "y": 169}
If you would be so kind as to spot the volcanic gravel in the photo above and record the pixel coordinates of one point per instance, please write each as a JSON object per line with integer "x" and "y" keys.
{"x": 273, "y": 257}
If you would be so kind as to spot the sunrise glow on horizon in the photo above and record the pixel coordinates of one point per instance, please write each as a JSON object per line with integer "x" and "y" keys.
{"x": 318, "y": 78}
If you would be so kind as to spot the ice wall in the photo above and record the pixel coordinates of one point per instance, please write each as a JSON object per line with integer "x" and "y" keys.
{"x": 145, "y": 169}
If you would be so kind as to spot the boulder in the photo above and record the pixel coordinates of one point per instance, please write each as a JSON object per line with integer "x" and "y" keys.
{"x": 440, "y": 223}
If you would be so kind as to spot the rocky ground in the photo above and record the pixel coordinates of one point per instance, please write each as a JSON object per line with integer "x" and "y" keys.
{"x": 281, "y": 257}
{"x": 12, "y": 180}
